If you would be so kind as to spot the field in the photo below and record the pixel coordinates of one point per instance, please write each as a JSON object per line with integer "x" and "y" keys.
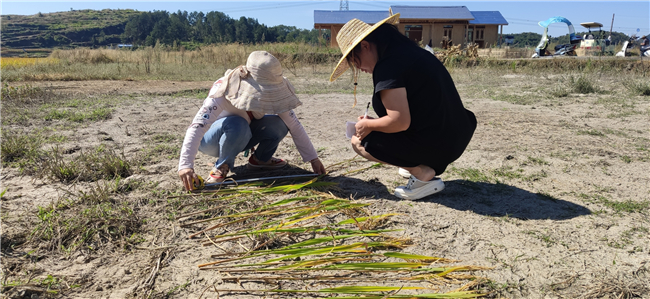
{"x": 550, "y": 200}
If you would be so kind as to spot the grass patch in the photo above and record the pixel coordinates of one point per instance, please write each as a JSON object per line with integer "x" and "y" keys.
{"x": 627, "y": 236}
{"x": 538, "y": 161}
{"x": 16, "y": 147}
{"x": 91, "y": 165}
{"x": 560, "y": 91}
{"x": 592, "y": 132}
{"x": 582, "y": 84}
{"x": 164, "y": 137}
{"x": 493, "y": 176}
{"x": 97, "y": 114}
{"x": 547, "y": 239}
{"x": 471, "y": 174}
{"x": 627, "y": 206}
{"x": 516, "y": 99}
{"x": 92, "y": 219}
{"x": 638, "y": 87}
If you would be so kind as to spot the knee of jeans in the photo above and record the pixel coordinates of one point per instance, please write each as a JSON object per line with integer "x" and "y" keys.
{"x": 209, "y": 149}
{"x": 237, "y": 127}
{"x": 277, "y": 130}
{"x": 235, "y": 123}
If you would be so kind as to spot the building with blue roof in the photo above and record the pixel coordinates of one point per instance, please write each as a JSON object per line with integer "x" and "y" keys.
{"x": 437, "y": 26}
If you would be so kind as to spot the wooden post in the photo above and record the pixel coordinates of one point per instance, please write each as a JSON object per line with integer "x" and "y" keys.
{"x": 499, "y": 42}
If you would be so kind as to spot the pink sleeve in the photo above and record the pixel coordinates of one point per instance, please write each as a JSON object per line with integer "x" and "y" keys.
{"x": 204, "y": 118}
{"x": 299, "y": 135}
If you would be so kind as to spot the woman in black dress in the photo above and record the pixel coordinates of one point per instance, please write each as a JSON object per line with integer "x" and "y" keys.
{"x": 422, "y": 125}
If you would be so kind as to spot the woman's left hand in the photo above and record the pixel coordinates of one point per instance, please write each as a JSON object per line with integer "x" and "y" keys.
{"x": 317, "y": 165}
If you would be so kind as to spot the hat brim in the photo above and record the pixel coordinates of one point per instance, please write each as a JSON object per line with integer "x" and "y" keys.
{"x": 267, "y": 98}
{"x": 343, "y": 66}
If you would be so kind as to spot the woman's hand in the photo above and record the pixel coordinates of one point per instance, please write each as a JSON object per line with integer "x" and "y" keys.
{"x": 362, "y": 127}
{"x": 188, "y": 176}
{"x": 317, "y": 166}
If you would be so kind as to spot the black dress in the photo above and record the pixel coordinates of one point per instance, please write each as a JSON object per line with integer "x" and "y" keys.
{"x": 440, "y": 126}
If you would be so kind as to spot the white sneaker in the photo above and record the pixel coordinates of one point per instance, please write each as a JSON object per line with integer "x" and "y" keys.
{"x": 404, "y": 173}
{"x": 416, "y": 189}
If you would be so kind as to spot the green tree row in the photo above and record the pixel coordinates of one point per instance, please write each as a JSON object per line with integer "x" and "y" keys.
{"x": 148, "y": 28}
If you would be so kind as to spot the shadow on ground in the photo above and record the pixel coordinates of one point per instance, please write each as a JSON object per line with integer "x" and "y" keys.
{"x": 481, "y": 198}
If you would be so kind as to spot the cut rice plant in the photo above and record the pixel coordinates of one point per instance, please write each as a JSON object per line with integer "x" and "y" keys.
{"x": 316, "y": 241}
{"x": 297, "y": 237}
{"x": 294, "y": 253}
{"x": 372, "y": 292}
{"x": 248, "y": 188}
{"x": 416, "y": 257}
{"x": 376, "y": 165}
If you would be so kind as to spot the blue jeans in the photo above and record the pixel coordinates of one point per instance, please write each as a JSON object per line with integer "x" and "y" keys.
{"x": 231, "y": 135}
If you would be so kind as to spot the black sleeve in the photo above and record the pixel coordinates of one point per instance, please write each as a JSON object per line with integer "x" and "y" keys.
{"x": 389, "y": 74}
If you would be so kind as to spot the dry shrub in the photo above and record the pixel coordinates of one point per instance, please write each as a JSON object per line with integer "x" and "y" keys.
{"x": 455, "y": 56}
{"x": 614, "y": 288}
{"x": 83, "y": 55}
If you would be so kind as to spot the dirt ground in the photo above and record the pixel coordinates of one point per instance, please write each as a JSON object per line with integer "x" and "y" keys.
{"x": 552, "y": 194}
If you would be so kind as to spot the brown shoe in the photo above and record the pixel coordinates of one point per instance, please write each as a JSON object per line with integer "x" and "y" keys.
{"x": 274, "y": 163}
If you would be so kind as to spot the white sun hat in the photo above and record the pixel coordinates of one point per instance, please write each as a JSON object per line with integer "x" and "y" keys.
{"x": 351, "y": 34}
{"x": 259, "y": 86}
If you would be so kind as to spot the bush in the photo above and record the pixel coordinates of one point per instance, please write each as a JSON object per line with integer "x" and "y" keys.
{"x": 582, "y": 84}
{"x": 639, "y": 88}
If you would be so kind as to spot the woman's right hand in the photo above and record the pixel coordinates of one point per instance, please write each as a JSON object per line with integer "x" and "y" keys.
{"x": 188, "y": 176}
{"x": 361, "y": 127}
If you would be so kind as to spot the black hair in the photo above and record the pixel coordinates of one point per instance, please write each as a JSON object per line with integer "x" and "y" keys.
{"x": 385, "y": 36}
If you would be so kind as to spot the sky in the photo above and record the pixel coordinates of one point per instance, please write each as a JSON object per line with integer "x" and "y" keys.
{"x": 522, "y": 16}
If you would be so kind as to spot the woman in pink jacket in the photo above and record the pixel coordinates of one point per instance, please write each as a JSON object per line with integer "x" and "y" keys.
{"x": 251, "y": 105}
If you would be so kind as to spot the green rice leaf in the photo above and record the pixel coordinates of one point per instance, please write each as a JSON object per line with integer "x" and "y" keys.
{"x": 374, "y": 266}
{"x": 365, "y": 289}
{"x": 317, "y": 251}
{"x": 328, "y": 239}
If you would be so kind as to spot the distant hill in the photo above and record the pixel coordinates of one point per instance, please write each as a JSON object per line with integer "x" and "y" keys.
{"x": 91, "y": 28}
{"x": 96, "y": 28}
{"x": 73, "y": 28}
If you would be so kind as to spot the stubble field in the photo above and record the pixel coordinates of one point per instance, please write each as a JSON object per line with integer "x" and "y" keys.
{"x": 550, "y": 200}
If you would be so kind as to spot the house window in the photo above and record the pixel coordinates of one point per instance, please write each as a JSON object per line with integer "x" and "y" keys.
{"x": 413, "y": 32}
{"x": 479, "y": 32}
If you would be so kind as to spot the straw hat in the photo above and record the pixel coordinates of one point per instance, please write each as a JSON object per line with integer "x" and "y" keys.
{"x": 351, "y": 34}
{"x": 259, "y": 86}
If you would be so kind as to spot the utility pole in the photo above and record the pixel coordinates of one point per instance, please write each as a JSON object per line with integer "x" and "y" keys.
{"x": 612, "y": 26}
{"x": 344, "y": 5}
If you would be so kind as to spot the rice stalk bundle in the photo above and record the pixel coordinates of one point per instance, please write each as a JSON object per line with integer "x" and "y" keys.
{"x": 367, "y": 292}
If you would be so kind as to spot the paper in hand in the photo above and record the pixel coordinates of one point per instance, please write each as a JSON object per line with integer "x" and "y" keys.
{"x": 350, "y": 129}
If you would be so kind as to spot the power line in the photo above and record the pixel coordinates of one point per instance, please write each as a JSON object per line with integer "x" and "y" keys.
{"x": 384, "y": 5}
{"x": 274, "y": 6}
